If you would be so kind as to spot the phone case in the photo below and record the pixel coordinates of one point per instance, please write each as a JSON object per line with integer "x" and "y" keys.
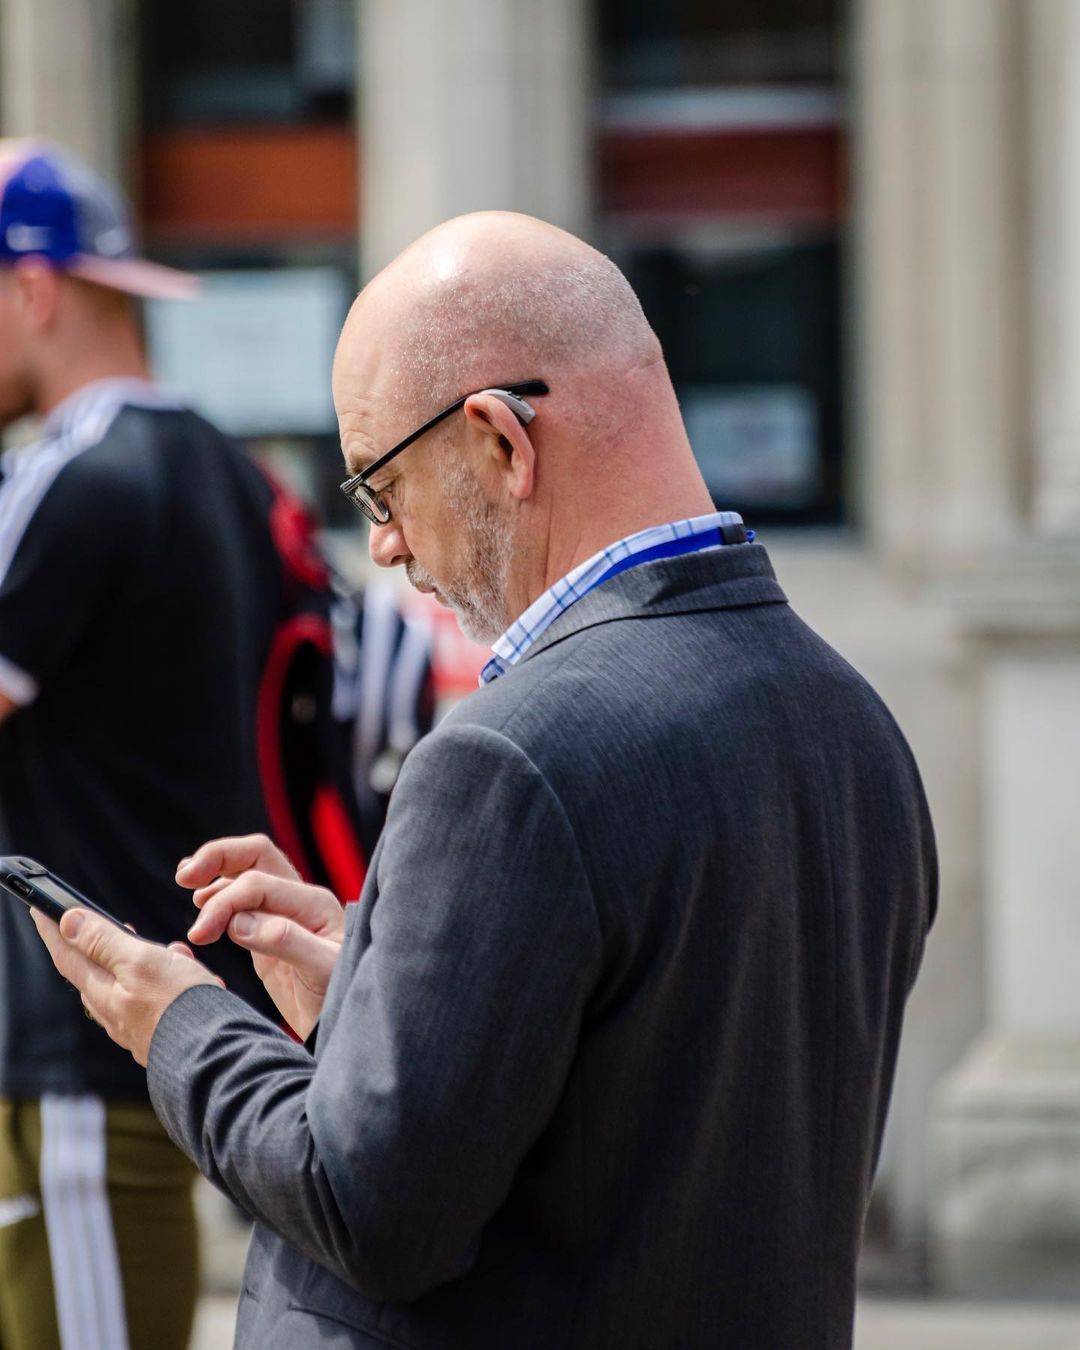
{"x": 23, "y": 878}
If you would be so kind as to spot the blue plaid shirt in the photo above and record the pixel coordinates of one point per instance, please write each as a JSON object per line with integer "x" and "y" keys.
{"x": 660, "y": 541}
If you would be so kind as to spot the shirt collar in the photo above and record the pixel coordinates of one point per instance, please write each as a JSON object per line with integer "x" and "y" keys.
{"x": 114, "y": 390}
{"x": 694, "y": 534}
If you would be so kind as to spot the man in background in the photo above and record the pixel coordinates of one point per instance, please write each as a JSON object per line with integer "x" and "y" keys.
{"x": 141, "y": 590}
{"x": 602, "y": 1057}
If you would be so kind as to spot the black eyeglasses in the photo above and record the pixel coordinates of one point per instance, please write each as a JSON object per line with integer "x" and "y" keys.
{"x": 370, "y": 503}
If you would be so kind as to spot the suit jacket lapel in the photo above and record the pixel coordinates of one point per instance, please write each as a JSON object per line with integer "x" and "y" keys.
{"x": 723, "y": 578}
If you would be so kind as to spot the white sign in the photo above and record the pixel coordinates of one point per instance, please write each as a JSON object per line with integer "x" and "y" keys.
{"x": 253, "y": 351}
{"x": 758, "y": 445}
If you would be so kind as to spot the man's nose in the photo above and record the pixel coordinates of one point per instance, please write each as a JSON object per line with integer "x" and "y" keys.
{"x": 386, "y": 545}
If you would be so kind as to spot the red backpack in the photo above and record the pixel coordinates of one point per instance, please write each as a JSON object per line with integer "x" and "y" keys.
{"x": 303, "y": 750}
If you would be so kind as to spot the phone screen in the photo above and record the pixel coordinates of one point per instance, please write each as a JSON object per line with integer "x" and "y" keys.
{"x": 34, "y": 885}
{"x": 60, "y": 894}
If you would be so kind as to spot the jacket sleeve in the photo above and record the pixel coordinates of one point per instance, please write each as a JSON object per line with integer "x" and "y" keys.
{"x": 446, "y": 1051}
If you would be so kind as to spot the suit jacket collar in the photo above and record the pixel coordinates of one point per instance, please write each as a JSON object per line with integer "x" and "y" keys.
{"x": 722, "y": 578}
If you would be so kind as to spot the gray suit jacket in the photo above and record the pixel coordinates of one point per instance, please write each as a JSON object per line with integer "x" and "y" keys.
{"x": 607, "y": 1053}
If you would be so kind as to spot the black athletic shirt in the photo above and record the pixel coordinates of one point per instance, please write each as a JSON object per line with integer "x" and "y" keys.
{"x": 138, "y": 595}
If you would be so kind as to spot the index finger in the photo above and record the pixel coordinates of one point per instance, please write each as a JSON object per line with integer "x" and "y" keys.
{"x": 312, "y": 907}
{"x": 232, "y": 856}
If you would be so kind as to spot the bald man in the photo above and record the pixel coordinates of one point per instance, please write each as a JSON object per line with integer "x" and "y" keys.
{"x": 602, "y": 1056}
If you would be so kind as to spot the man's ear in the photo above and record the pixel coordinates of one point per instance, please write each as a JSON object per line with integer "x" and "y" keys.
{"x": 505, "y": 443}
{"x": 37, "y": 292}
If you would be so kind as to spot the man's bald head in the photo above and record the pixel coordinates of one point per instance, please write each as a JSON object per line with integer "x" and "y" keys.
{"x": 488, "y": 510}
{"x": 499, "y": 296}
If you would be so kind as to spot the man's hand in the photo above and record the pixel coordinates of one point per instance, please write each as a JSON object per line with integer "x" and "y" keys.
{"x": 246, "y": 887}
{"x": 126, "y": 984}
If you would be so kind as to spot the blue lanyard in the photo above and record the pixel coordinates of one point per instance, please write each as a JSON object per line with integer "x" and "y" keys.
{"x": 670, "y": 548}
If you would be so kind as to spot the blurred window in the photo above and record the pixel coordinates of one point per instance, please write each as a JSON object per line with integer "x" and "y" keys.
{"x": 248, "y": 175}
{"x": 723, "y": 194}
{"x": 248, "y": 61}
{"x": 703, "y": 42}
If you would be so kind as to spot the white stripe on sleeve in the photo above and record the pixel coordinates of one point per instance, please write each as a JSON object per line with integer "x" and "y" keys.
{"x": 16, "y": 683}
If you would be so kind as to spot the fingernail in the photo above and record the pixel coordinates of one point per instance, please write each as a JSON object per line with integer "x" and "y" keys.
{"x": 182, "y": 864}
{"x": 73, "y": 923}
{"x": 243, "y": 925}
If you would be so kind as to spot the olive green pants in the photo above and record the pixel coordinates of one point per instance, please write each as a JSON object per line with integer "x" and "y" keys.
{"x": 98, "y": 1243}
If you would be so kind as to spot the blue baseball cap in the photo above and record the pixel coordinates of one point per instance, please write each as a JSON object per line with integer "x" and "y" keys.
{"x": 53, "y": 206}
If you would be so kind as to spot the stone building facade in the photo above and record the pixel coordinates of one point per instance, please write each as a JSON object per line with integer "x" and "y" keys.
{"x": 955, "y": 585}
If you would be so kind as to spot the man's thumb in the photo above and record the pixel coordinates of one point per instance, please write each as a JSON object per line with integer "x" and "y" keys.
{"x": 72, "y": 923}
{"x": 93, "y": 936}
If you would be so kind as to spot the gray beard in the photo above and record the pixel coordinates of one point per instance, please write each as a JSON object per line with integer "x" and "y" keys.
{"x": 478, "y": 595}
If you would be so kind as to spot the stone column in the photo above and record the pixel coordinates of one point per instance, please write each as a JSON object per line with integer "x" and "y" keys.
{"x": 479, "y": 104}
{"x": 940, "y": 266}
{"x": 1005, "y": 1128}
{"x": 1055, "y": 180}
{"x": 67, "y": 70}
{"x": 1005, "y": 1134}
{"x": 896, "y": 462}
{"x": 939, "y": 272}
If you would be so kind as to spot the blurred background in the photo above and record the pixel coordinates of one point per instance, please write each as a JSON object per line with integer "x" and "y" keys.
{"x": 855, "y": 225}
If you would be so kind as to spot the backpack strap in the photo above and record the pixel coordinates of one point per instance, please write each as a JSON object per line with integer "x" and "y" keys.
{"x": 296, "y": 632}
{"x": 303, "y": 750}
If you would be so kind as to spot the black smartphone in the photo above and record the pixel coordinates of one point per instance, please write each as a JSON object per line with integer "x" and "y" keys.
{"x": 35, "y": 885}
